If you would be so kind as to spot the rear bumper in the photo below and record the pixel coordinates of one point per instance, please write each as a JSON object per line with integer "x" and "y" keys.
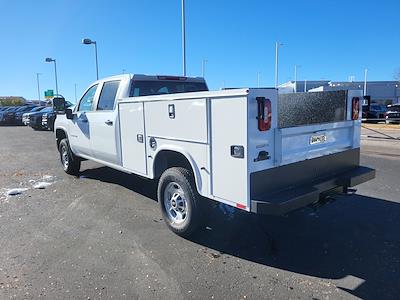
{"x": 308, "y": 190}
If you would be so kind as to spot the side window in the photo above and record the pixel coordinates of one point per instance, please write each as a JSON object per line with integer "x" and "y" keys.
{"x": 107, "y": 96}
{"x": 86, "y": 102}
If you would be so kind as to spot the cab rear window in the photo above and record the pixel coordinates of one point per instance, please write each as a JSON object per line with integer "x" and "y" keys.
{"x": 161, "y": 87}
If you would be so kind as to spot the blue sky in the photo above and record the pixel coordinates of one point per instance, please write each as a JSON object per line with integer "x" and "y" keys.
{"x": 328, "y": 39}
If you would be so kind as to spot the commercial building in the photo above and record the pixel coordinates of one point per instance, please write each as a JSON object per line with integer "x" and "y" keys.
{"x": 381, "y": 92}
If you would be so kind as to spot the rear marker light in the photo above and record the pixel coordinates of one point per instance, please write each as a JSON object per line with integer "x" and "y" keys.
{"x": 171, "y": 78}
{"x": 264, "y": 114}
{"x": 241, "y": 206}
{"x": 355, "y": 108}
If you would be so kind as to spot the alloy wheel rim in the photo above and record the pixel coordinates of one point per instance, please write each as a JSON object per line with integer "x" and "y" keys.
{"x": 175, "y": 203}
{"x": 64, "y": 157}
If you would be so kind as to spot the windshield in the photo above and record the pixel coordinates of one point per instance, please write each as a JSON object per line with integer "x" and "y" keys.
{"x": 161, "y": 87}
{"x": 377, "y": 107}
{"x": 37, "y": 108}
{"x": 47, "y": 109}
{"x": 24, "y": 108}
{"x": 394, "y": 108}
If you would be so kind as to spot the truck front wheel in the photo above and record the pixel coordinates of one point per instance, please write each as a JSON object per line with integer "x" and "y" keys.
{"x": 179, "y": 201}
{"x": 71, "y": 163}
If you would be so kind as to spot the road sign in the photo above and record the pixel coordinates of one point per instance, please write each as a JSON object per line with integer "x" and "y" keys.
{"x": 49, "y": 94}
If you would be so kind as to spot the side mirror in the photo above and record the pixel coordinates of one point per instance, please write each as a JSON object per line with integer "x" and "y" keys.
{"x": 69, "y": 114}
{"x": 59, "y": 105}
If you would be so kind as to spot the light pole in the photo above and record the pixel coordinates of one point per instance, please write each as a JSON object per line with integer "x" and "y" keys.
{"x": 123, "y": 71}
{"x": 183, "y": 39}
{"x": 49, "y": 59}
{"x": 38, "y": 86}
{"x": 76, "y": 99}
{"x": 305, "y": 85}
{"x": 258, "y": 79}
{"x": 277, "y": 45}
{"x": 203, "y": 67}
{"x": 295, "y": 77}
{"x": 365, "y": 81}
{"x": 89, "y": 42}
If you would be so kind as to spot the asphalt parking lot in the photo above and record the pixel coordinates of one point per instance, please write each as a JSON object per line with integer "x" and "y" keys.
{"x": 101, "y": 236}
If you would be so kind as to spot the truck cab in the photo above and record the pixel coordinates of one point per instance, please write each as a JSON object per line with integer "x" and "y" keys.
{"x": 93, "y": 127}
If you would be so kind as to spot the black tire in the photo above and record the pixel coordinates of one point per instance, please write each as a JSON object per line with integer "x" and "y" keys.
{"x": 182, "y": 182}
{"x": 71, "y": 163}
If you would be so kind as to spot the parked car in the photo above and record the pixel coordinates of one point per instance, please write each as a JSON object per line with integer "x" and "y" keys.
{"x": 25, "y": 116}
{"x": 393, "y": 114}
{"x": 7, "y": 114}
{"x": 48, "y": 119}
{"x": 374, "y": 113}
{"x": 17, "y": 118}
{"x": 35, "y": 119}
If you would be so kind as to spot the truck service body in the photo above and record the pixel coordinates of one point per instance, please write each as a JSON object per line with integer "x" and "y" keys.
{"x": 248, "y": 148}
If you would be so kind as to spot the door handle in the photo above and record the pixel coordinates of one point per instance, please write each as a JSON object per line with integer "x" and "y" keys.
{"x": 139, "y": 138}
{"x": 109, "y": 122}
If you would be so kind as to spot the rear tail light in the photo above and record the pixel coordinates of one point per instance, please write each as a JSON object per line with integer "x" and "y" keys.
{"x": 264, "y": 113}
{"x": 356, "y": 108}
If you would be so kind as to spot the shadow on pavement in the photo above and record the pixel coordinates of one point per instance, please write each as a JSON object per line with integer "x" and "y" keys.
{"x": 143, "y": 186}
{"x": 354, "y": 241}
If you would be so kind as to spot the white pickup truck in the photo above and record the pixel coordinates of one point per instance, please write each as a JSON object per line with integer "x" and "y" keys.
{"x": 248, "y": 148}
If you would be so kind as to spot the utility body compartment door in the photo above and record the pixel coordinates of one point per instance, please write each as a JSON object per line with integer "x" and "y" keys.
{"x": 229, "y": 130}
{"x": 133, "y": 139}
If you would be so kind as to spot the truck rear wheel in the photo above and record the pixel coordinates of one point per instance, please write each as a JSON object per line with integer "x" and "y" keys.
{"x": 179, "y": 201}
{"x": 71, "y": 163}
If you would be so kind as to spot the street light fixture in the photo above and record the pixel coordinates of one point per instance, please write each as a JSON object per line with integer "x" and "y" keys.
{"x": 49, "y": 59}
{"x": 89, "y": 42}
